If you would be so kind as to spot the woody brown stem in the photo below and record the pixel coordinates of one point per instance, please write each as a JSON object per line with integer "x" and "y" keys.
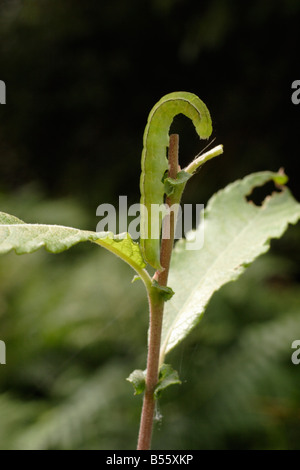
{"x": 156, "y": 306}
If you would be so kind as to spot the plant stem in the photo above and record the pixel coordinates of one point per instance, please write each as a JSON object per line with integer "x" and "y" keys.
{"x": 156, "y": 307}
{"x": 192, "y": 167}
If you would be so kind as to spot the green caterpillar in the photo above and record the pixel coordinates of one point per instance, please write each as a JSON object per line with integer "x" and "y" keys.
{"x": 155, "y": 163}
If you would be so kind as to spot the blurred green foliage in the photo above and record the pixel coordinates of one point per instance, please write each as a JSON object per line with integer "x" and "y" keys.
{"x": 81, "y": 79}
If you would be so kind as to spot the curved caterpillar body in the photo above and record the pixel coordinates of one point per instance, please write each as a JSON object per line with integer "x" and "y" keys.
{"x": 155, "y": 163}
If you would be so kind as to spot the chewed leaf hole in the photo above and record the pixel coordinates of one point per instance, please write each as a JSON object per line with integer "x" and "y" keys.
{"x": 260, "y": 193}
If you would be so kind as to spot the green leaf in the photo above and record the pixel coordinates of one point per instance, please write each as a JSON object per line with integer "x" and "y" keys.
{"x": 138, "y": 379}
{"x": 236, "y": 232}
{"x": 165, "y": 292}
{"x": 167, "y": 376}
{"x": 171, "y": 183}
{"x": 27, "y": 238}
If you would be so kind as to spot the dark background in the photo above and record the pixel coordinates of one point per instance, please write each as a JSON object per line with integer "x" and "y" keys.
{"x": 81, "y": 78}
